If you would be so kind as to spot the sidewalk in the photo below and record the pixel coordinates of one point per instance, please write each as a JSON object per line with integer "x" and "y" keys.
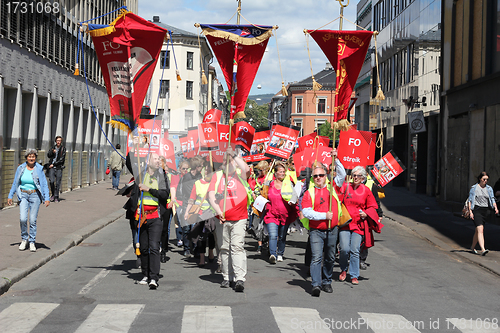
{"x": 62, "y": 225}
{"x": 443, "y": 229}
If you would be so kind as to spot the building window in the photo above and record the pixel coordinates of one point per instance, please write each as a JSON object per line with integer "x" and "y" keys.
{"x": 321, "y": 105}
{"x": 166, "y": 119}
{"x": 189, "y": 64}
{"x": 165, "y": 63}
{"x": 319, "y": 122}
{"x": 188, "y": 120}
{"x": 298, "y": 123}
{"x": 298, "y": 106}
{"x": 164, "y": 88}
{"x": 189, "y": 89}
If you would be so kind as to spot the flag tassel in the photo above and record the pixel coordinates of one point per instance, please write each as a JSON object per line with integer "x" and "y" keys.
{"x": 203, "y": 77}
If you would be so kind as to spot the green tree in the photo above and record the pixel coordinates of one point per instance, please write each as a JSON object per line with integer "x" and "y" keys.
{"x": 326, "y": 129}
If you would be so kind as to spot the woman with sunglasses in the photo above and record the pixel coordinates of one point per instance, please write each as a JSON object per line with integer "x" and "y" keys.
{"x": 362, "y": 207}
{"x": 481, "y": 203}
{"x": 281, "y": 212}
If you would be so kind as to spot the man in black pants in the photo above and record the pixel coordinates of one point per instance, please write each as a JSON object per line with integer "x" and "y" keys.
{"x": 57, "y": 156}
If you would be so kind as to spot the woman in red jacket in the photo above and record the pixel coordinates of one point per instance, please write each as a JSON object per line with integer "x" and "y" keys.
{"x": 362, "y": 207}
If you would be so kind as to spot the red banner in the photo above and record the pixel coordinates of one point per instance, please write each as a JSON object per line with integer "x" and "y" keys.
{"x": 184, "y": 145}
{"x": 242, "y": 135}
{"x": 282, "y": 141}
{"x": 239, "y": 50}
{"x": 207, "y": 133}
{"x": 259, "y": 146}
{"x": 310, "y": 141}
{"x": 346, "y": 51}
{"x": 353, "y": 149}
{"x": 193, "y": 142}
{"x": 212, "y": 116}
{"x": 167, "y": 151}
{"x": 127, "y": 51}
{"x": 387, "y": 168}
{"x": 298, "y": 162}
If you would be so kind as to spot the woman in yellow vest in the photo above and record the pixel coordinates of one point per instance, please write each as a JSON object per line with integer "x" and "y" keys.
{"x": 280, "y": 212}
{"x": 256, "y": 183}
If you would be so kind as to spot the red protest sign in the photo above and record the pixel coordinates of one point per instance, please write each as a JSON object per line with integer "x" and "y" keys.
{"x": 259, "y": 146}
{"x": 298, "y": 162}
{"x": 310, "y": 141}
{"x": 148, "y": 133}
{"x": 167, "y": 151}
{"x": 184, "y": 144}
{"x": 282, "y": 141}
{"x": 212, "y": 116}
{"x": 193, "y": 141}
{"x": 242, "y": 135}
{"x": 387, "y": 168}
{"x": 207, "y": 133}
{"x": 353, "y": 149}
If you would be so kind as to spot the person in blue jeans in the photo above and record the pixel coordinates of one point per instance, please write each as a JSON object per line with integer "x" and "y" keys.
{"x": 31, "y": 188}
{"x": 116, "y": 164}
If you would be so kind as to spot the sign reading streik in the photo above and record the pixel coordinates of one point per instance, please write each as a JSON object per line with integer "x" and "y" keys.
{"x": 353, "y": 149}
{"x": 167, "y": 151}
{"x": 207, "y": 133}
{"x": 242, "y": 135}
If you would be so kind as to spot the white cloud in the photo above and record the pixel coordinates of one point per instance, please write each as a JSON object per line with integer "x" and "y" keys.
{"x": 292, "y": 17}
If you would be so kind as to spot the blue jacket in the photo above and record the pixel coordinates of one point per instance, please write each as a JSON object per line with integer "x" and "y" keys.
{"x": 472, "y": 196}
{"x": 40, "y": 182}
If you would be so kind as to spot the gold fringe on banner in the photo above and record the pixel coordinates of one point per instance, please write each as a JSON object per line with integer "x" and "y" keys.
{"x": 231, "y": 122}
{"x": 343, "y": 125}
{"x": 284, "y": 92}
{"x": 203, "y": 77}
{"x": 178, "y": 74}
{"x": 238, "y": 39}
{"x": 316, "y": 85}
{"x": 240, "y": 114}
{"x": 119, "y": 125}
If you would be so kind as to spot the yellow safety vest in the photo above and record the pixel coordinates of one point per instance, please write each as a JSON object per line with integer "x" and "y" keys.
{"x": 287, "y": 188}
{"x": 201, "y": 191}
{"x": 305, "y": 220}
{"x": 147, "y": 198}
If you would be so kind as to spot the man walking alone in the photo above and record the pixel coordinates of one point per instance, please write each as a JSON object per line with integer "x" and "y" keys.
{"x": 57, "y": 156}
{"x": 116, "y": 163}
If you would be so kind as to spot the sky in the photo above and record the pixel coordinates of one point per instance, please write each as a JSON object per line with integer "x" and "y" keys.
{"x": 292, "y": 17}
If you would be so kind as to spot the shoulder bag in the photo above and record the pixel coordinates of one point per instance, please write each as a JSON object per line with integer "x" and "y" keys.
{"x": 345, "y": 218}
{"x": 466, "y": 210}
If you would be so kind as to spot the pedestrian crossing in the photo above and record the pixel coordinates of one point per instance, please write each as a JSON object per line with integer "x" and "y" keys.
{"x": 23, "y": 317}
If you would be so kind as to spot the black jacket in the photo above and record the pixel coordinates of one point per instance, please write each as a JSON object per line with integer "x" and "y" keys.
{"x": 61, "y": 157}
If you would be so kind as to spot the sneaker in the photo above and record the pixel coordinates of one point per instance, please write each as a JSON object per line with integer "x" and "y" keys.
{"x": 32, "y": 247}
{"x": 272, "y": 259}
{"x": 239, "y": 286}
{"x": 179, "y": 243}
{"x": 225, "y": 284}
{"x": 144, "y": 281}
{"x": 354, "y": 281}
{"x": 56, "y": 200}
{"x": 187, "y": 254}
{"x": 363, "y": 266}
{"x": 153, "y": 284}
{"x": 259, "y": 249}
{"x": 327, "y": 288}
{"x": 280, "y": 258}
{"x": 316, "y": 291}
{"x": 23, "y": 245}
{"x": 52, "y": 199}
{"x": 342, "y": 276}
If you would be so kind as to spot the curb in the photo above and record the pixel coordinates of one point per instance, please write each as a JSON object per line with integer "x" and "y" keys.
{"x": 11, "y": 275}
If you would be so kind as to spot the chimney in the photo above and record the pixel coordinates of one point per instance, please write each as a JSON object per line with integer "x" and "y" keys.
{"x": 328, "y": 66}
{"x": 156, "y": 19}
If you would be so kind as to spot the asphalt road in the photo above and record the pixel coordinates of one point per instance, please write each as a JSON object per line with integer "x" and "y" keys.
{"x": 410, "y": 286}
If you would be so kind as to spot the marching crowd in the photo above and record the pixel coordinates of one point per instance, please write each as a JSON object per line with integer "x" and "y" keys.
{"x": 339, "y": 211}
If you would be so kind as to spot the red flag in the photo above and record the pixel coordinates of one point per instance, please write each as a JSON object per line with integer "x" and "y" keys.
{"x": 346, "y": 51}
{"x": 193, "y": 141}
{"x": 212, "y": 116}
{"x": 127, "y": 51}
{"x": 242, "y": 135}
{"x": 207, "y": 133}
{"x": 239, "y": 50}
{"x": 310, "y": 141}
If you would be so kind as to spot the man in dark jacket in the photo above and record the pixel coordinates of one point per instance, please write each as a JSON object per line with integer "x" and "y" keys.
{"x": 147, "y": 202}
{"x": 57, "y": 156}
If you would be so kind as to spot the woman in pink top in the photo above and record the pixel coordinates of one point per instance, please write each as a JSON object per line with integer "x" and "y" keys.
{"x": 280, "y": 214}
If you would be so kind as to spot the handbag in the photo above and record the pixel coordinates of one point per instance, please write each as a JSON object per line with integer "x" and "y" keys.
{"x": 345, "y": 218}
{"x": 107, "y": 170}
{"x": 194, "y": 211}
{"x": 466, "y": 210}
{"x": 381, "y": 193}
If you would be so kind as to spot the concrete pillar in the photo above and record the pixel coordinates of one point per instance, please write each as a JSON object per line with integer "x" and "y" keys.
{"x": 70, "y": 144}
{"x": 432, "y": 157}
{"x": 79, "y": 128}
{"x": 47, "y": 126}
{"x": 15, "y": 142}
{"x": 60, "y": 118}
{"x": 33, "y": 122}
{"x": 2, "y": 116}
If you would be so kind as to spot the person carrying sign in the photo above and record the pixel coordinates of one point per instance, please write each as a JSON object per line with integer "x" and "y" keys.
{"x": 233, "y": 220}
{"x": 323, "y": 229}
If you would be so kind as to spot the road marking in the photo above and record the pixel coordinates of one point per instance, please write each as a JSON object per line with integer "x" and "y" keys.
{"x": 383, "y": 323}
{"x": 110, "y": 318}
{"x": 102, "y": 274}
{"x": 472, "y": 326}
{"x": 31, "y": 314}
{"x": 207, "y": 319}
{"x": 294, "y": 320}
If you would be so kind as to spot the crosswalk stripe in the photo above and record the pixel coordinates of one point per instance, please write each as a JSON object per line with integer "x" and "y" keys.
{"x": 383, "y": 323}
{"x": 110, "y": 318}
{"x": 31, "y": 314}
{"x": 197, "y": 318}
{"x": 473, "y": 326}
{"x": 294, "y": 320}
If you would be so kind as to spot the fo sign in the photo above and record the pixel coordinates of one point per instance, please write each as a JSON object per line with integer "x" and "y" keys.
{"x": 353, "y": 149}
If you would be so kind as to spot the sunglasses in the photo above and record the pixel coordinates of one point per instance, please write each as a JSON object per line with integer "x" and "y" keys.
{"x": 320, "y": 175}
{"x": 356, "y": 176}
